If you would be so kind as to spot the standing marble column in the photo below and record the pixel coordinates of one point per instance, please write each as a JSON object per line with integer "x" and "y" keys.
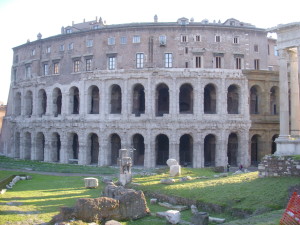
{"x": 295, "y": 102}
{"x": 284, "y": 95}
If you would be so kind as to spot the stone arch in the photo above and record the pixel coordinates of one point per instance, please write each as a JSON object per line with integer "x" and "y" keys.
{"x": 93, "y": 148}
{"x": 139, "y": 146}
{"x": 56, "y": 147}
{"x": 186, "y": 150}
{"x": 138, "y": 100}
{"x": 27, "y": 146}
{"x": 274, "y": 146}
{"x": 73, "y": 141}
{"x": 116, "y": 99}
{"x": 28, "y": 103}
{"x": 210, "y": 150}
{"x": 255, "y": 99}
{"x": 93, "y": 100}
{"x": 162, "y": 99}
{"x": 161, "y": 149}
{"x": 232, "y": 149}
{"x": 274, "y": 100}
{"x": 115, "y": 146}
{"x": 233, "y": 99}
{"x": 42, "y": 102}
{"x": 40, "y": 146}
{"x": 210, "y": 99}
{"x": 17, "y": 145}
{"x": 57, "y": 101}
{"x": 74, "y": 99}
{"x": 256, "y": 145}
{"x": 186, "y": 96}
{"x": 17, "y": 104}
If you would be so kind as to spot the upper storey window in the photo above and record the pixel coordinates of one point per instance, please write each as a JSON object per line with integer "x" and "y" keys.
{"x": 123, "y": 40}
{"x": 71, "y": 46}
{"x": 236, "y": 40}
{"x": 48, "y": 49}
{"x": 55, "y": 67}
{"x": 68, "y": 31}
{"x": 111, "y": 62}
{"x": 88, "y": 64}
{"x": 162, "y": 40}
{"x": 276, "y": 52}
{"x": 184, "y": 38}
{"x": 89, "y": 43}
{"x": 16, "y": 59}
{"x": 136, "y": 39}
{"x": 198, "y": 38}
{"x": 45, "y": 69}
{"x": 28, "y": 71}
{"x": 76, "y": 65}
{"x": 217, "y": 38}
{"x": 111, "y": 41}
{"x": 61, "y": 48}
{"x": 256, "y": 48}
{"x": 33, "y": 52}
{"x": 139, "y": 60}
{"x": 168, "y": 60}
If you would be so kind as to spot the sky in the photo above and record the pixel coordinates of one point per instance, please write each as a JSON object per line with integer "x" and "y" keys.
{"x": 21, "y": 20}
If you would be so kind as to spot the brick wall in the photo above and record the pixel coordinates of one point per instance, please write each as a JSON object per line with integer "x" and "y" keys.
{"x": 273, "y": 166}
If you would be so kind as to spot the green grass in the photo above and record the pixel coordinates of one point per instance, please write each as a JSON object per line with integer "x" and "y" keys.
{"x": 10, "y": 163}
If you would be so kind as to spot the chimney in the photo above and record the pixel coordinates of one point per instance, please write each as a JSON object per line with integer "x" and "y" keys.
{"x": 39, "y": 36}
{"x": 155, "y": 18}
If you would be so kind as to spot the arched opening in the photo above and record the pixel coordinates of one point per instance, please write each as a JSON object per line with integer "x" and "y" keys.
{"x": 210, "y": 99}
{"x": 233, "y": 99}
{"x": 94, "y": 148}
{"x": 115, "y": 142}
{"x": 139, "y": 146}
{"x": 186, "y": 150}
{"x": 255, "y": 149}
{"x": 40, "y": 146}
{"x": 28, "y": 103}
{"x": 42, "y": 102}
{"x": 93, "y": 100}
{"x": 138, "y": 100}
{"x": 74, "y": 100}
{"x": 210, "y": 150}
{"x": 162, "y": 100}
{"x": 274, "y": 146}
{"x": 186, "y": 99}
{"x": 17, "y": 145}
{"x": 274, "y": 101}
{"x": 17, "y": 104}
{"x": 116, "y": 100}
{"x": 27, "y": 149}
{"x": 57, "y": 101}
{"x": 255, "y": 94}
{"x": 56, "y": 147}
{"x": 232, "y": 149}
{"x": 75, "y": 146}
{"x": 162, "y": 149}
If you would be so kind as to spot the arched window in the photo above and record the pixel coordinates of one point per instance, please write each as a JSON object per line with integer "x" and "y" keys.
{"x": 42, "y": 102}
{"x": 139, "y": 146}
{"x": 74, "y": 100}
{"x": 209, "y": 150}
{"x": 57, "y": 101}
{"x": 186, "y": 99}
{"x": 138, "y": 100}
{"x": 255, "y": 149}
{"x": 232, "y": 149}
{"x": 186, "y": 150}
{"x": 28, "y": 103}
{"x": 162, "y": 149}
{"x": 93, "y": 144}
{"x": 115, "y": 146}
{"x": 233, "y": 99}
{"x": 255, "y": 95}
{"x": 274, "y": 100}
{"x": 93, "y": 100}
{"x": 162, "y": 100}
{"x": 74, "y": 146}
{"x": 116, "y": 100}
{"x": 274, "y": 146}
{"x": 17, "y": 145}
{"x": 27, "y": 149}
{"x": 210, "y": 99}
{"x": 40, "y": 146}
{"x": 17, "y": 104}
{"x": 56, "y": 147}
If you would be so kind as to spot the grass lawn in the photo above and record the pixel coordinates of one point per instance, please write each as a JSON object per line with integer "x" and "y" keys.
{"x": 9, "y": 163}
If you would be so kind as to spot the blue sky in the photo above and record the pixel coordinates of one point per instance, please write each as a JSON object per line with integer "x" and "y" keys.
{"x": 21, "y": 20}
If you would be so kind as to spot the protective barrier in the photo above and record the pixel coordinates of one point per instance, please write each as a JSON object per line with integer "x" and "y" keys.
{"x": 291, "y": 215}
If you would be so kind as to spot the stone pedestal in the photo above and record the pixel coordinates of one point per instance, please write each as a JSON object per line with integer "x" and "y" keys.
{"x": 90, "y": 182}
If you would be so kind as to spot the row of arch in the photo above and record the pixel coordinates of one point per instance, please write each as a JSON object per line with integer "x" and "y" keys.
{"x": 162, "y": 100}
{"x": 36, "y": 149}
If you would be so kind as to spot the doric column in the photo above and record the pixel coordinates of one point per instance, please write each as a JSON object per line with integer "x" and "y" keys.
{"x": 295, "y": 102}
{"x": 284, "y": 95}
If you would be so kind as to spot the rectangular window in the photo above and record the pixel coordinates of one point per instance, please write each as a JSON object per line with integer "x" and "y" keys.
{"x": 186, "y": 50}
{"x": 76, "y": 66}
{"x": 238, "y": 63}
{"x": 111, "y": 41}
{"x": 136, "y": 39}
{"x": 162, "y": 40}
{"x": 68, "y": 31}
{"x": 198, "y": 61}
{"x": 218, "y": 62}
{"x": 123, "y": 40}
{"x": 112, "y": 63}
{"x": 256, "y": 64}
{"x": 88, "y": 64}
{"x": 184, "y": 38}
{"x": 48, "y": 49}
{"x": 61, "y": 48}
{"x": 256, "y": 48}
{"x": 218, "y": 38}
{"x": 46, "y": 69}
{"x": 198, "y": 38}
{"x": 186, "y": 64}
{"x": 139, "y": 60}
{"x": 28, "y": 71}
{"x": 15, "y": 75}
{"x": 168, "y": 60}
{"x": 89, "y": 43}
{"x": 276, "y": 52}
{"x": 33, "y": 52}
{"x": 235, "y": 40}
{"x": 71, "y": 46}
{"x": 55, "y": 68}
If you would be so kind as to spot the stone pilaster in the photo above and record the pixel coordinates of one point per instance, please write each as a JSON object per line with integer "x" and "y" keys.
{"x": 198, "y": 154}
{"x": 64, "y": 152}
{"x": 83, "y": 150}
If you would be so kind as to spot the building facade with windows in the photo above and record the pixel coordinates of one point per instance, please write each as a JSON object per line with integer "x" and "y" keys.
{"x": 203, "y": 93}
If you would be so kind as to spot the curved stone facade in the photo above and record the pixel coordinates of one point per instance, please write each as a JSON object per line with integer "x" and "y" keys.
{"x": 170, "y": 90}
